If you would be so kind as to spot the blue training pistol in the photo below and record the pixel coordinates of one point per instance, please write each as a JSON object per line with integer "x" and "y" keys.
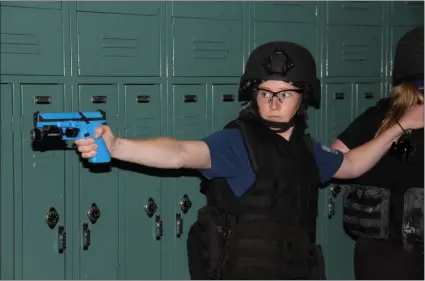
{"x": 71, "y": 126}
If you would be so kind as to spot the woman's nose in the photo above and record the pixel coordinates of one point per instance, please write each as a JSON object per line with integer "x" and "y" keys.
{"x": 275, "y": 103}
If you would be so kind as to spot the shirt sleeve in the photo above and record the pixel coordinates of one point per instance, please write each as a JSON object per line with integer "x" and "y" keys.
{"x": 362, "y": 129}
{"x": 229, "y": 158}
{"x": 328, "y": 160}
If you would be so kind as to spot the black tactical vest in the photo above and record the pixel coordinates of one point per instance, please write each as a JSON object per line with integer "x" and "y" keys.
{"x": 388, "y": 200}
{"x": 269, "y": 232}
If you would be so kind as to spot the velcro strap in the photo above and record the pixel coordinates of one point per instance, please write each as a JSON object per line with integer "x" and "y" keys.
{"x": 362, "y": 213}
{"x": 366, "y": 201}
{"x": 360, "y": 229}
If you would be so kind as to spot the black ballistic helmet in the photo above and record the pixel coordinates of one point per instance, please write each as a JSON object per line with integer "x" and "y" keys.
{"x": 284, "y": 61}
{"x": 409, "y": 57}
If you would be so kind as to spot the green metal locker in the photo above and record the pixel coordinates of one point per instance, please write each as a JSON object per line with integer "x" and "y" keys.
{"x": 142, "y": 205}
{"x": 7, "y": 165}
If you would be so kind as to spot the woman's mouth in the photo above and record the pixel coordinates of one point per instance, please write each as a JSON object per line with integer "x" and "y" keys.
{"x": 274, "y": 118}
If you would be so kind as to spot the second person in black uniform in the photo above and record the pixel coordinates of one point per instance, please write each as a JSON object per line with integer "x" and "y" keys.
{"x": 384, "y": 207}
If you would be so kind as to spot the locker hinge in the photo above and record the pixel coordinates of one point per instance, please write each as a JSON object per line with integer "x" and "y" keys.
{"x": 12, "y": 121}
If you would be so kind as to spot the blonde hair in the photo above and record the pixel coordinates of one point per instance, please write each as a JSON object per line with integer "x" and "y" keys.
{"x": 403, "y": 96}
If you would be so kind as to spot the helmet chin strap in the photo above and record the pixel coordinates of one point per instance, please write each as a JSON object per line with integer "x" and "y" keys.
{"x": 279, "y": 127}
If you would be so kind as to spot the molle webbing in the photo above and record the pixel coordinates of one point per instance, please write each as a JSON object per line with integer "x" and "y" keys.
{"x": 366, "y": 210}
{"x": 267, "y": 250}
{"x": 269, "y": 230}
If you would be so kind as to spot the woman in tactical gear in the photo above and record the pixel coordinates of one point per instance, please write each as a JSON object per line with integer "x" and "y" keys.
{"x": 262, "y": 172}
{"x": 384, "y": 207}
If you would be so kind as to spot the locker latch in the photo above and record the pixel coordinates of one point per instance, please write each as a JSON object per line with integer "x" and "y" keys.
{"x": 334, "y": 191}
{"x": 86, "y": 236}
{"x": 158, "y": 227}
{"x": 179, "y": 221}
{"x": 331, "y": 207}
{"x": 61, "y": 239}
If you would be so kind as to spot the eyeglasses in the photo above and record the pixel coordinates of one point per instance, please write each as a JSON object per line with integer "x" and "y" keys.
{"x": 280, "y": 95}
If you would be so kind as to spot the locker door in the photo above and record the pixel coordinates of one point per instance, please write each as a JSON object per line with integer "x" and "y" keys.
{"x": 6, "y": 182}
{"x": 338, "y": 247}
{"x": 287, "y": 21}
{"x": 300, "y": 33}
{"x": 31, "y": 38}
{"x": 225, "y": 105}
{"x": 407, "y": 13}
{"x": 366, "y": 95}
{"x": 143, "y": 202}
{"x": 40, "y": 191}
{"x": 339, "y": 109}
{"x": 190, "y": 122}
{"x": 349, "y": 12}
{"x": 207, "y": 39}
{"x": 353, "y": 51}
{"x": 114, "y": 41}
{"x": 99, "y": 189}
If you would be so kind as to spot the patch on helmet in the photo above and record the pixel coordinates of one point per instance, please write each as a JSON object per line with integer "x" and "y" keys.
{"x": 278, "y": 63}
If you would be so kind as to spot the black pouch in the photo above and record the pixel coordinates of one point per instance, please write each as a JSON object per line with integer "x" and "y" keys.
{"x": 366, "y": 211}
{"x": 205, "y": 244}
{"x": 413, "y": 220}
{"x": 317, "y": 267}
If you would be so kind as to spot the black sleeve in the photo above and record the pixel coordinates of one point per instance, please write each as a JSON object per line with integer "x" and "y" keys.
{"x": 363, "y": 128}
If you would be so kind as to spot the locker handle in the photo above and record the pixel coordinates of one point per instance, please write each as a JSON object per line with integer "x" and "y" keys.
{"x": 286, "y": 4}
{"x": 331, "y": 207}
{"x": 42, "y": 100}
{"x": 61, "y": 239}
{"x": 339, "y": 96}
{"x": 354, "y": 6}
{"x": 159, "y": 231}
{"x": 86, "y": 236}
{"x": 98, "y": 99}
{"x": 369, "y": 95}
{"x": 143, "y": 99}
{"x": 179, "y": 222}
{"x": 189, "y": 98}
{"x": 409, "y": 3}
{"x": 228, "y": 98}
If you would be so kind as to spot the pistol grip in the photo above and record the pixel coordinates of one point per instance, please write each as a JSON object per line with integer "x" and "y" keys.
{"x": 102, "y": 152}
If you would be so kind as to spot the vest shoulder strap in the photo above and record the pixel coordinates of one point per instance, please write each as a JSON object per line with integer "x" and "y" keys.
{"x": 309, "y": 143}
{"x": 242, "y": 127}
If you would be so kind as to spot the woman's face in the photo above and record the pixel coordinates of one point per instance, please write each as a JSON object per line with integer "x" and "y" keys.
{"x": 277, "y": 101}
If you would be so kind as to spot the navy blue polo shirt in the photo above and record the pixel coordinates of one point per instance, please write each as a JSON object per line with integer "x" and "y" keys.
{"x": 229, "y": 159}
